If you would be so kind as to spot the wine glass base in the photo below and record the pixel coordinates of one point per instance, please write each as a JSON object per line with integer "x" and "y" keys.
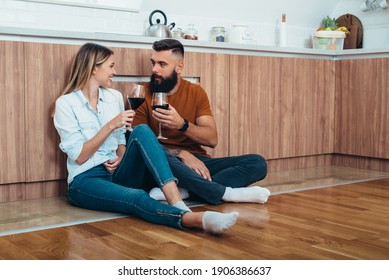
{"x": 160, "y": 137}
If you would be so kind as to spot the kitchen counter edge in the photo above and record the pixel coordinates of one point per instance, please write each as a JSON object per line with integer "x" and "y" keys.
{"x": 139, "y": 41}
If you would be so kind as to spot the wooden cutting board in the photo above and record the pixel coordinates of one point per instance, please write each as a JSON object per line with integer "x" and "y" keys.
{"x": 354, "y": 40}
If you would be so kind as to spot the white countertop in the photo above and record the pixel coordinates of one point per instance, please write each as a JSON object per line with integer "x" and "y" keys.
{"x": 136, "y": 41}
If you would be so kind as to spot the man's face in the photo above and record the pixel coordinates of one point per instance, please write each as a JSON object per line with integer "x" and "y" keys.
{"x": 166, "y": 67}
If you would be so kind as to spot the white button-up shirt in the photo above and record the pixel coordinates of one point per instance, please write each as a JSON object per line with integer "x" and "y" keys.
{"x": 76, "y": 123}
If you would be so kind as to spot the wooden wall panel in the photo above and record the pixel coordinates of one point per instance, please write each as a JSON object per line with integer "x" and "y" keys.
{"x": 132, "y": 62}
{"x": 283, "y": 164}
{"x": 281, "y": 107}
{"x": 136, "y": 62}
{"x": 47, "y": 70}
{"x": 193, "y": 65}
{"x": 214, "y": 79}
{"x": 12, "y": 125}
{"x": 368, "y": 163}
{"x": 362, "y": 115}
{"x": 35, "y": 190}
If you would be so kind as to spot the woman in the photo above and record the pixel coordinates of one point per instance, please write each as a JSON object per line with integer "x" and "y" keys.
{"x": 105, "y": 173}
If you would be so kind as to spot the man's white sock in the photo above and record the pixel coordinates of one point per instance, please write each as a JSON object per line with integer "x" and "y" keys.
{"x": 217, "y": 223}
{"x": 181, "y": 205}
{"x": 157, "y": 193}
{"x": 253, "y": 194}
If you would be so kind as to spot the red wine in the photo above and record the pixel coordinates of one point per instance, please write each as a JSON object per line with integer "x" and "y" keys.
{"x": 164, "y": 106}
{"x": 135, "y": 102}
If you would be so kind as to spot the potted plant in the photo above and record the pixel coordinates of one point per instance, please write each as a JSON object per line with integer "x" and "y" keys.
{"x": 329, "y": 36}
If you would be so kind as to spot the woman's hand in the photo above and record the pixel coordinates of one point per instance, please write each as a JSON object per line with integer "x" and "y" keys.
{"x": 125, "y": 118}
{"x": 112, "y": 164}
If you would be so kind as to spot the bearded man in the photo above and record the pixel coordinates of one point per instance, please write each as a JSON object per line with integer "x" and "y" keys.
{"x": 188, "y": 125}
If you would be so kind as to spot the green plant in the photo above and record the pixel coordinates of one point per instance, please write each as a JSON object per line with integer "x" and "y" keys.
{"x": 329, "y": 23}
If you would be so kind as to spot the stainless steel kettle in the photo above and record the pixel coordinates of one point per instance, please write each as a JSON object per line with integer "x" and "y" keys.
{"x": 158, "y": 29}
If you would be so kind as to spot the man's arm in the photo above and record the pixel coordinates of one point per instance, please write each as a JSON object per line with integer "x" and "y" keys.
{"x": 203, "y": 132}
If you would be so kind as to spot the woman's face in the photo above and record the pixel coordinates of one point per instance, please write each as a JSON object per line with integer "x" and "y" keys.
{"x": 103, "y": 73}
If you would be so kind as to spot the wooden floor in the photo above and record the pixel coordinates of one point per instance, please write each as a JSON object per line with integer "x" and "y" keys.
{"x": 341, "y": 222}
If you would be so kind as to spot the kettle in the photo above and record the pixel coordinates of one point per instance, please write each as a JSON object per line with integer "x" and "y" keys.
{"x": 158, "y": 29}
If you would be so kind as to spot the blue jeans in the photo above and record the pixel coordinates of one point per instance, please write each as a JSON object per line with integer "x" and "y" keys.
{"x": 234, "y": 172}
{"x": 123, "y": 191}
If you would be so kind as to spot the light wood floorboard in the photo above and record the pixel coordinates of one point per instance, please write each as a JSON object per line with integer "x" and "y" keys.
{"x": 341, "y": 222}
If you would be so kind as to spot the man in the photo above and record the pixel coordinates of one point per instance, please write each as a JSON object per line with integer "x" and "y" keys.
{"x": 188, "y": 124}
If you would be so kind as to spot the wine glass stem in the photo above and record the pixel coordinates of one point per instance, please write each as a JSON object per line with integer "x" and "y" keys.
{"x": 160, "y": 134}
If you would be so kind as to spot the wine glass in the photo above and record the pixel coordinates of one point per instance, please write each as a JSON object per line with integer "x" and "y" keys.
{"x": 160, "y": 101}
{"x": 135, "y": 98}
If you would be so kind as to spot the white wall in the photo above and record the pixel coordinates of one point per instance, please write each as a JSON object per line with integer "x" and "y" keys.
{"x": 375, "y": 23}
{"x": 263, "y": 17}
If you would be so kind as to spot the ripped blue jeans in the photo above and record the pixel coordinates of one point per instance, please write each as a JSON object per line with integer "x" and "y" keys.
{"x": 122, "y": 191}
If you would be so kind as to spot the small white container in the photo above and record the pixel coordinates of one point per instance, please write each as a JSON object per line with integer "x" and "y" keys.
{"x": 328, "y": 40}
{"x": 239, "y": 34}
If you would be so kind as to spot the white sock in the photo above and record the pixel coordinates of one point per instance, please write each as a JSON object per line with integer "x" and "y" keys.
{"x": 157, "y": 193}
{"x": 253, "y": 194}
{"x": 217, "y": 223}
{"x": 181, "y": 205}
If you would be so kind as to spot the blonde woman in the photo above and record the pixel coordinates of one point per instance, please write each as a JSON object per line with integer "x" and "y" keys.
{"x": 104, "y": 171}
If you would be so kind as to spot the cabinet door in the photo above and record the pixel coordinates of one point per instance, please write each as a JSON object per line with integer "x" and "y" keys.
{"x": 12, "y": 140}
{"x": 281, "y": 107}
{"x": 362, "y": 122}
{"x": 215, "y": 80}
{"x": 47, "y": 70}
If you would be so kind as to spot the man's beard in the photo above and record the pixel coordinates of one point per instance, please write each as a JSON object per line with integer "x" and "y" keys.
{"x": 164, "y": 84}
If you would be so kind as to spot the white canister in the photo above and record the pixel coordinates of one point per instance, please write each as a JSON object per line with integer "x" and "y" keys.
{"x": 239, "y": 34}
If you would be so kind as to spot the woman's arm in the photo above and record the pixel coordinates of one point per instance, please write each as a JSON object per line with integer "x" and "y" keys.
{"x": 92, "y": 145}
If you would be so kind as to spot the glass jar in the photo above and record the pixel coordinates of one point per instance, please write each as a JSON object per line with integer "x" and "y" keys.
{"x": 191, "y": 33}
{"x": 178, "y": 33}
{"x": 218, "y": 34}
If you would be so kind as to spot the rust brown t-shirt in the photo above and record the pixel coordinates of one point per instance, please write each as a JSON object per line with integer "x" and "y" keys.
{"x": 191, "y": 102}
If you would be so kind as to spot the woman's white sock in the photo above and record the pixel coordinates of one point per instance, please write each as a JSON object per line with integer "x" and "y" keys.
{"x": 253, "y": 194}
{"x": 217, "y": 223}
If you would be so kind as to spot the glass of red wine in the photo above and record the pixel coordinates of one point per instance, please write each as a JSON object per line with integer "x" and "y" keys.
{"x": 135, "y": 98}
{"x": 160, "y": 101}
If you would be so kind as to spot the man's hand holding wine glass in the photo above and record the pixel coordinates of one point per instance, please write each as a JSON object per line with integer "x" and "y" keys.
{"x": 169, "y": 118}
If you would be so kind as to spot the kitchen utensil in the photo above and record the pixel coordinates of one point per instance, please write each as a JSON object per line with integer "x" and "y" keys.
{"x": 354, "y": 40}
{"x": 158, "y": 29}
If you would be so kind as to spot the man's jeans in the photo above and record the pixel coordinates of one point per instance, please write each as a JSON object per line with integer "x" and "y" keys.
{"x": 123, "y": 191}
{"x": 234, "y": 172}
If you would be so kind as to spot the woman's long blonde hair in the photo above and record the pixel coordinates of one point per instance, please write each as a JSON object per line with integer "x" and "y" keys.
{"x": 88, "y": 57}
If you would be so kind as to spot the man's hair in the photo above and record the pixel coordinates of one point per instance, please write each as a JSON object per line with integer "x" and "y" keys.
{"x": 169, "y": 44}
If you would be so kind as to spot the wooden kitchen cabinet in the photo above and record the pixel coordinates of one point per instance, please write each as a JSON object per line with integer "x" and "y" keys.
{"x": 47, "y": 69}
{"x": 281, "y": 107}
{"x": 214, "y": 79}
{"x": 12, "y": 107}
{"x": 293, "y": 111}
{"x": 362, "y": 102}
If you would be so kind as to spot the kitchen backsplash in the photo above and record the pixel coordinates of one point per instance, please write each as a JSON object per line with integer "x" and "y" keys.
{"x": 264, "y": 29}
